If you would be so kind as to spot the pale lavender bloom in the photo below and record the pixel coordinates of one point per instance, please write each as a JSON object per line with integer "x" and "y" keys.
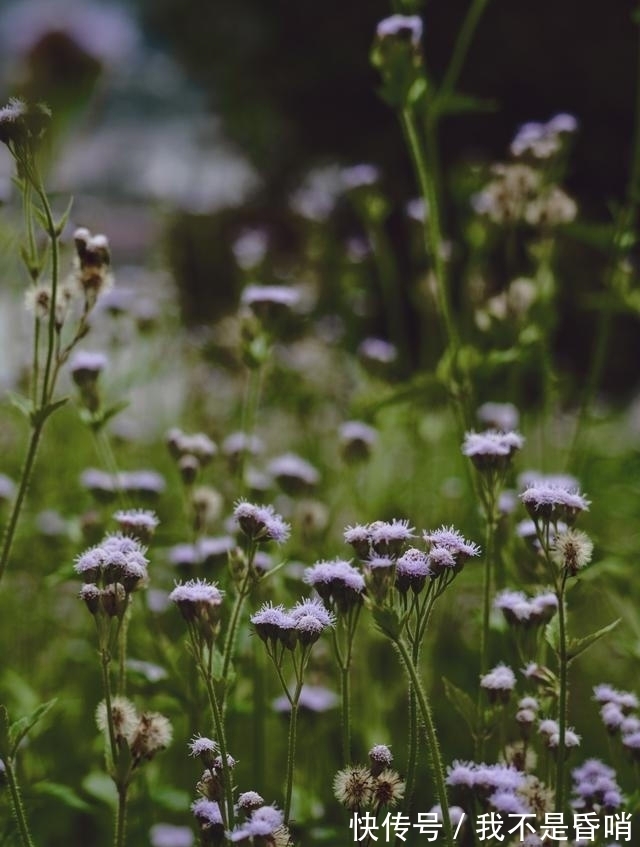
{"x": 595, "y": 787}
{"x": 388, "y": 537}
{"x": 612, "y": 716}
{"x": 632, "y": 742}
{"x": 336, "y": 582}
{"x": 265, "y": 821}
{"x": 449, "y": 538}
{"x": 167, "y": 835}
{"x": 456, "y": 814}
{"x": 269, "y": 303}
{"x": 544, "y": 605}
{"x": 571, "y": 739}
{"x": 607, "y": 694}
{"x": 7, "y": 488}
{"x": 379, "y": 563}
{"x": 499, "y": 683}
{"x": 272, "y": 621}
{"x": 315, "y": 608}
{"x": 378, "y": 351}
{"x": 563, "y": 122}
{"x": 250, "y": 800}
{"x": 528, "y": 703}
{"x": 98, "y": 482}
{"x": 440, "y": 559}
{"x": 502, "y": 416}
{"x": 85, "y": 364}
{"x": 508, "y": 803}
{"x": 359, "y": 176}
{"x": 417, "y": 209}
{"x": 241, "y": 442}
{"x": 461, "y": 773}
{"x": 359, "y": 433}
{"x": 562, "y": 480}
{"x": 141, "y": 482}
{"x": 250, "y": 248}
{"x": 213, "y": 550}
{"x": 549, "y": 501}
{"x": 630, "y": 725}
{"x": 548, "y": 727}
{"x": 207, "y": 812}
{"x": 381, "y": 755}
{"x": 197, "y": 592}
{"x": 261, "y": 523}
{"x": 202, "y": 746}
{"x": 491, "y": 449}
{"x": 412, "y": 570}
{"x": 514, "y": 605}
{"x": 292, "y": 470}
{"x": 314, "y": 698}
{"x": 507, "y": 502}
{"x": 399, "y": 26}
{"x": 499, "y": 777}
{"x": 139, "y": 522}
{"x": 359, "y": 537}
{"x": 536, "y": 139}
{"x": 184, "y": 555}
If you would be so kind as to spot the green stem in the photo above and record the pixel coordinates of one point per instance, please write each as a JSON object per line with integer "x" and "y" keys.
{"x": 462, "y": 45}
{"x": 484, "y": 632}
{"x": 47, "y": 390}
{"x": 121, "y": 817}
{"x": 106, "y": 684}
{"x": 291, "y": 750}
{"x": 431, "y": 738}
{"x": 17, "y": 805}
{"x": 228, "y": 816}
{"x": 25, "y": 478}
{"x": 345, "y": 692}
{"x": 122, "y": 650}
{"x": 230, "y": 640}
{"x": 562, "y": 704}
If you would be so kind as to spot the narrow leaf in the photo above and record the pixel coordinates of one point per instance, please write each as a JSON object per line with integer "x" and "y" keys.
{"x": 576, "y": 646}
{"x": 5, "y": 743}
{"x": 462, "y": 703}
{"x": 20, "y": 728}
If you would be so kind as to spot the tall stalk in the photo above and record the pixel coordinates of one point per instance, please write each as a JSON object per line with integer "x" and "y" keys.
{"x": 17, "y": 804}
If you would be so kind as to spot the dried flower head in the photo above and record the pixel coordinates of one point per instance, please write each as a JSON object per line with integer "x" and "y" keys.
{"x": 572, "y": 550}
{"x": 124, "y": 718}
{"x": 388, "y": 788}
{"x": 353, "y": 787}
{"x": 152, "y": 734}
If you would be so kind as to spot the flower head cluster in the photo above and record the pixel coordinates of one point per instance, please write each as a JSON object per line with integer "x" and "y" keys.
{"x": 200, "y": 604}
{"x": 595, "y": 788}
{"x": 501, "y": 786}
{"x": 263, "y": 824}
{"x": 407, "y": 27}
{"x": 260, "y": 523}
{"x": 491, "y": 450}
{"x": 168, "y": 835}
{"x": 377, "y": 356}
{"x": 144, "y": 733}
{"x": 380, "y": 538}
{"x": 412, "y": 570}
{"x": 138, "y": 523}
{"x": 192, "y": 452}
{"x": 92, "y": 265}
{"x": 500, "y": 416}
{"x": 450, "y": 540}
{"x": 85, "y": 367}
{"x": 520, "y": 610}
{"x": 357, "y": 439}
{"x": 22, "y": 127}
{"x": 359, "y": 787}
{"x": 499, "y": 683}
{"x": 618, "y": 715}
{"x": 339, "y": 584}
{"x": 271, "y": 303}
{"x": 303, "y": 624}
{"x": 543, "y": 140}
{"x": 105, "y": 486}
{"x": 552, "y": 502}
{"x": 550, "y": 731}
{"x": 111, "y": 571}
{"x": 293, "y": 474}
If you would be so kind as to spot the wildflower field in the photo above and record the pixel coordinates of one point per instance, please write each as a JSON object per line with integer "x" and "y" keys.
{"x": 319, "y": 495}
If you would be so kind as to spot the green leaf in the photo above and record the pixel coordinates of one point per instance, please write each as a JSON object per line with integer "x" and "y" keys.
{"x": 22, "y": 404}
{"x": 23, "y": 726}
{"x": 387, "y": 621}
{"x": 42, "y": 219}
{"x": 62, "y": 222}
{"x": 99, "y": 785}
{"x": 63, "y": 793}
{"x": 552, "y": 634}
{"x": 39, "y": 416}
{"x": 576, "y": 646}
{"x": 5, "y": 742}
{"x": 462, "y": 703}
{"x": 459, "y": 104}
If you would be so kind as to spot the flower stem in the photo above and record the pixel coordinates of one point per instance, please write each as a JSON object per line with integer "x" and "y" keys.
{"x": 17, "y": 805}
{"x": 431, "y": 738}
{"x": 486, "y": 612}
{"x": 230, "y": 640}
{"x": 462, "y": 45}
{"x": 228, "y": 816}
{"x": 291, "y": 749}
{"x": 562, "y": 703}
{"x": 25, "y": 478}
{"x": 121, "y": 817}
